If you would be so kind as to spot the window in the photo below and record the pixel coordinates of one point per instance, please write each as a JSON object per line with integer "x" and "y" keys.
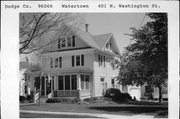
{"x": 82, "y": 60}
{"x": 85, "y": 82}
{"x": 73, "y": 41}
{"x": 101, "y": 60}
{"x": 112, "y": 83}
{"x": 59, "y": 43}
{"x": 104, "y": 60}
{"x": 63, "y": 42}
{"x": 60, "y": 83}
{"x": 72, "y": 61}
{"x": 56, "y": 62}
{"x": 78, "y": 60}
{"x": 74, "y": 82}
{"x": 66, "y": 42}
{"x": 51, "y": 63}
{"x": 110, "y": 46}
{"x": 102, "y": 80}
{"x": 69, "y": 42}
{"x": 67, "y": 82}
{"x": 60, "y": 62}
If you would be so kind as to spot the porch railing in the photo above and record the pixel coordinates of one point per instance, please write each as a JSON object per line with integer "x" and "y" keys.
{"x": 71, "y": 93}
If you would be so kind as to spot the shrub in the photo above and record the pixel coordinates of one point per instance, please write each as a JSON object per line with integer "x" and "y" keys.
{"x": 76, "y": 100}
{"x": 53, "y": 100}
{"x": 62, "y": 100}
{"x": 113, "y": 93}
{"x": 22, "y": 98}
{"x": 90, "y": 100}
{"x": 127, "y": 96}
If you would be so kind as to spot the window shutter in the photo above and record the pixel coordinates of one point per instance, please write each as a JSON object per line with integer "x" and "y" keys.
{"x": 72, "y": 61}
{"x": 73, "y": 41}
{"x": 82, "y": 60}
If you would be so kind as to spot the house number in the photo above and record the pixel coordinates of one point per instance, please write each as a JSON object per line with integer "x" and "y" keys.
{"x": 102, "y": 5}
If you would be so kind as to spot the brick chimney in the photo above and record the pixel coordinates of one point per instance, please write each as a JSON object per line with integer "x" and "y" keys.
{"x": 86, "y": 27}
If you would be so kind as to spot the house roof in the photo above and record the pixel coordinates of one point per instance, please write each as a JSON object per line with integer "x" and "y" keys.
{"x": 94, "y": 41}
{"x": 102, "y": 39}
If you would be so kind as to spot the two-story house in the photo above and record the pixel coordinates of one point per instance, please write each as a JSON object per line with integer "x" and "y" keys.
{"x": 78, "y": 64}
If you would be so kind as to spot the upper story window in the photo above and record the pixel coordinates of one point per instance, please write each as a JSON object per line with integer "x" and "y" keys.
{"x": 69, "y": 43}
{"x": 101, "y": 60}
{"x": 51, "y": 62}
{"x": 63, "y": 42}
{"x": 57, "y": 62}
{"x": 66, "y": 42}
{"x": 78, "y": 60}
{"x": 60, "y": 62}
{"x": 109, "y": 46}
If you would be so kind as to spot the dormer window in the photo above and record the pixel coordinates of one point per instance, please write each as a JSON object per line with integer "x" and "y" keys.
{"x": 69, "y": 42}
{"x": 108, "y": 46}
{"x": 63, "y": 42}
{"x": 66, "y": 42}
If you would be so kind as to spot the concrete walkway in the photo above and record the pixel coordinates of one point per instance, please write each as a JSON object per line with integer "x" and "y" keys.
{"x": 139, "y": 116}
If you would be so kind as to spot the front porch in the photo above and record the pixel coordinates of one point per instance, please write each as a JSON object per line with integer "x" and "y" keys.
{"x": 64, "y": 85}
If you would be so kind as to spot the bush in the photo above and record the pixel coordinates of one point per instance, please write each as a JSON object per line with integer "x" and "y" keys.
{"x": 52, "y": 100}
{"x": 89, "y": 100}
{"x": 22, "y": 98}
{"x": 127, "y": 96}
{"x": 113, "y": 93}
{"x": 62, "y": 100}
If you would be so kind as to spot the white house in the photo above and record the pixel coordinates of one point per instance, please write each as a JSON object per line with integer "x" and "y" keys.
{"x": 78, "y": 64}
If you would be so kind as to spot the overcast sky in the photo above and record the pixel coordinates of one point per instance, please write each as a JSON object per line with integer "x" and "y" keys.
{"x": 116, "y": 23}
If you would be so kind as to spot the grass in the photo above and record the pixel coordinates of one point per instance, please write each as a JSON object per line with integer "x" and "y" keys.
{"x": 100, "y": 108}
{"x": 28, "y": 115}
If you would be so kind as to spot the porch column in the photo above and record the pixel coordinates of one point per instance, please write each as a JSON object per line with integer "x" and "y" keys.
{"x": 52, "y": 80}
{"x": 79, "y": 85}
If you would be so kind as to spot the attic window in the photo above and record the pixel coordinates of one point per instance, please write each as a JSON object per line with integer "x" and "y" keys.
{"x": 108, "y": 46}
{"x": 66, "y": 42}
{"x": 69, "y": 42}
{"x": 63, "y": 42}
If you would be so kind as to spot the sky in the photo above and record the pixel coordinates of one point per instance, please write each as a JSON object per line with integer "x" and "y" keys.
{"x": 116, "y": 23}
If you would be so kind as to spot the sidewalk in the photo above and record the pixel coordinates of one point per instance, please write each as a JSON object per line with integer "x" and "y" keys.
{"x": 139, "y": 116}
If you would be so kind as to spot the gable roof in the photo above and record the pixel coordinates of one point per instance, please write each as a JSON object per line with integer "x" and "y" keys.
{"x": 102, "y": 39}
{"x": 94, "y": 41}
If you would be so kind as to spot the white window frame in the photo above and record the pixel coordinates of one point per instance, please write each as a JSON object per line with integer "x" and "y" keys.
{"x": 84, "y": 83}
{"x": 80, "y": 60}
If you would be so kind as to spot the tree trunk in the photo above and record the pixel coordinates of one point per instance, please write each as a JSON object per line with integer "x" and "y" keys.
{"x": 160, "y": 94}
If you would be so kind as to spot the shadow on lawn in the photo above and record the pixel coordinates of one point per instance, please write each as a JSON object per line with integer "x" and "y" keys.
{"x": 130, "y": 110}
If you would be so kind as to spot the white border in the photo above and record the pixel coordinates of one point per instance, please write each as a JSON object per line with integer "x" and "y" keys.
{"x": 10, "y": 56}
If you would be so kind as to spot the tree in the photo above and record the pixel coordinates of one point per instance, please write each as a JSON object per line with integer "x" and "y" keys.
{"x": 145, "y": 61}
{"x": 33, "y": 26}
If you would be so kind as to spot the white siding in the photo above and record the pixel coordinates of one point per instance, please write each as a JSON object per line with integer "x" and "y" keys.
{"x": 67, "y": 60}
{"x": 100, "y": 71}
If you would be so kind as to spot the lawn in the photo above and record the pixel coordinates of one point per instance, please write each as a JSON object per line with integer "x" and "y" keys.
{"x": 27, "y": 115}
{"x": 100, "y": 108}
